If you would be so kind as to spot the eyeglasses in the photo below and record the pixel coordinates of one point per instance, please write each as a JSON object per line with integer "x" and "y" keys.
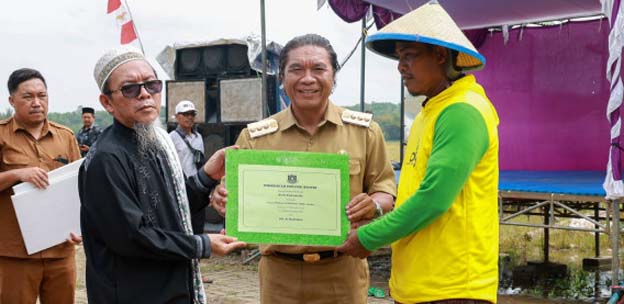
{"x": 186, "y": 114}
{"x": 133, "y": 90}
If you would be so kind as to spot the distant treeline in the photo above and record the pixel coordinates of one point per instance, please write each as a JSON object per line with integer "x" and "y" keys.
{"x": 72, "y": 120}
{"x": 386, "y": 114}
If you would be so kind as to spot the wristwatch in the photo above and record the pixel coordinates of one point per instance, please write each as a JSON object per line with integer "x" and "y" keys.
{"x": 379, "y": 212}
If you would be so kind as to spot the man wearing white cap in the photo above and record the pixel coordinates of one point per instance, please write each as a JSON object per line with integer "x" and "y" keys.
{"x": 135, "y": 215}
{"x": 190, "y": 147}
{"x": 187, "y": 140}
{"x": 444, "y": 228}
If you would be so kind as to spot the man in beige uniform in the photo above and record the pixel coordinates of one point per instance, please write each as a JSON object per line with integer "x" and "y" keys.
{"x": 300, "y": 274}
{"x": 30, "y": 146}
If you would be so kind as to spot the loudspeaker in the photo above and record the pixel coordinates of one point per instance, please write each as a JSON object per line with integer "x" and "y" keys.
{"x": 213, "y": 136}
{"x": 237, "y": 59}
{"x": 212, "y": 100}
{"x": 194, "y": 91}
{"x": 229, "y": 101}
{"x": 188, "y": 64}
{"x": 241, "y": 99}
{"x": 212, "y": 61}
{"x": 217, "y": 136}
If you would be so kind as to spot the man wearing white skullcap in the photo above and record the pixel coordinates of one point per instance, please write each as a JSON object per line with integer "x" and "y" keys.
{"x": 444, "y": 228}
{"x": 135, "y": 213}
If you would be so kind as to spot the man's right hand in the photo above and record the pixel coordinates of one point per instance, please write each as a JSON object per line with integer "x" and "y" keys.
{"x": 34, "y": 175}
{"x": 221, "y": 245}
{"x": 218, "y": 198}
{"x": 215, "y": 166}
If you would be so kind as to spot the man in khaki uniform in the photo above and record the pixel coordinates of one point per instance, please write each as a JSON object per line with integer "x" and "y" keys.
{"x": 300, "y": 274}
{"x": 30, "y": 146}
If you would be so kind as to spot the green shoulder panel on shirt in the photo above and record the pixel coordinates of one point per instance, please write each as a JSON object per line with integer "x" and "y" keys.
{"x": 459, "y": 143}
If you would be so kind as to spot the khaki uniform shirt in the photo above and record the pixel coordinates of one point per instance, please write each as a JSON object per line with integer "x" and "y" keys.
{"x": 18, "y": 149}
{"x": 370, "y": 169}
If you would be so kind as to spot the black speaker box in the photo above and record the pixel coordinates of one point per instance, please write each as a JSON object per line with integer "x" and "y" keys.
{"x": 188, "y": 64}
{"x": 212, "y": 61}
{"x": 217, "y": 136}
{"x": 212, "y": 101}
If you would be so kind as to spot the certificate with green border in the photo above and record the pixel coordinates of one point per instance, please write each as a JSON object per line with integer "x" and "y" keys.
{"x": 285, "y": 197}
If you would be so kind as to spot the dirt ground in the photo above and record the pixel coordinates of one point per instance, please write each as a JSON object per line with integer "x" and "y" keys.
{"x": 235, "y": 283}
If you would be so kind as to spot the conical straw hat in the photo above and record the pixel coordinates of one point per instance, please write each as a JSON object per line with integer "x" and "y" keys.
{"x": 430, "y": 24}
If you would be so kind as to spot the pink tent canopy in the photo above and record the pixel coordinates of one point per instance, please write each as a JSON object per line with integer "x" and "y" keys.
{"x": 548, "y": 84}
{"x": 487, "y": 13}
{"x": 549, "y": 88}
{"x": 473, "y": 14}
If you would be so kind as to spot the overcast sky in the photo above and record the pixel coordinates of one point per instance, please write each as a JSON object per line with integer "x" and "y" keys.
{"x": 64, "y": 38}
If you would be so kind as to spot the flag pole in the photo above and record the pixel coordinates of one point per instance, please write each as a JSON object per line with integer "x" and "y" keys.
{"x": 134, "y": 26}
{"x": 264, "y": 59}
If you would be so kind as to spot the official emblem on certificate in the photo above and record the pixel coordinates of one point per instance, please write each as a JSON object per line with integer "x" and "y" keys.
{"x": 284, "y": 197}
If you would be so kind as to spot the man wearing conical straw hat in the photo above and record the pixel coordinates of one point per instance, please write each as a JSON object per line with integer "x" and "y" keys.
{"x": 444, "y": 228}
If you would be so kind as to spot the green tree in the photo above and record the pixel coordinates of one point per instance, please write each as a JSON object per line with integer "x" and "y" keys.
{"x": 72, "y": 120}
{"x": 8, "y": 112}
{"x": 387, "y": 115}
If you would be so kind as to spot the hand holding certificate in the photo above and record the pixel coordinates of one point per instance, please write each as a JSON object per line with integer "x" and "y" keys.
{"x": 47, "y": 217}
{"x": 284, "y": 197}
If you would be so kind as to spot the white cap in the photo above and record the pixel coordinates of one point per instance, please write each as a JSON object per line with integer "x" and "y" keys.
{"x": 185, "y": 106}
{"x": 111, "y": 60}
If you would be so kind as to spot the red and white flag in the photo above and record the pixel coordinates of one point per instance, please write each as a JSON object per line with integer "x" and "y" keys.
{"x": 124, "y": 20}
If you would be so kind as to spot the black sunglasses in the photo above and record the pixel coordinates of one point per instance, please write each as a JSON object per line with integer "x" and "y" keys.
{"x": 134, "y": 89}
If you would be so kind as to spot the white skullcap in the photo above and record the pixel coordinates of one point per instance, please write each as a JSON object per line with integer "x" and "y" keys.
{"x": 113, "y": 59}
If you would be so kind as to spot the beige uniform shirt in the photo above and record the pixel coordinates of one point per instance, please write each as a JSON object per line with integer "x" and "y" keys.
{"x": 370, "y": 169}
{"x": 18, "y": 149}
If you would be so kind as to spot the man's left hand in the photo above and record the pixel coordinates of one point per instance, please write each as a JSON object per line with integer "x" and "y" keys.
{"x": 361, "y": 207}
{"x": 353, "y": 247}
{"x": 74, "y": 239}
{"x": 218, "y": 199}
{"x": 221, "y": 245}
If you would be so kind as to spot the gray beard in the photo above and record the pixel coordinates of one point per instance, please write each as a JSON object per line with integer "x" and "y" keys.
{"x": 147, "y": 140}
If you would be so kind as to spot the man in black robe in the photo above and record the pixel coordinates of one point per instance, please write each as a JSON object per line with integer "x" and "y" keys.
{"x": 135, "y": 215}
